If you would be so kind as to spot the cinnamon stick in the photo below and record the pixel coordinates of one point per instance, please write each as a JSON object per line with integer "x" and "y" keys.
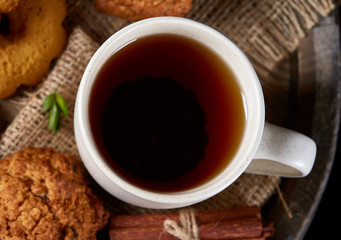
{"x": 239, "y": 224}
{"x": 241, "y": 228}
{"x": 268, "y": 229}
{"x": 222, "y": 230}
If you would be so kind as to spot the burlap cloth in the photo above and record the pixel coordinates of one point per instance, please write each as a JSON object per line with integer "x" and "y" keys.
{"x": 265, "y": 30}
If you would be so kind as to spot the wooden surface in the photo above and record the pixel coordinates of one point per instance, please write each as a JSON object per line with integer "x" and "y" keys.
{"x": 317, "y": 84}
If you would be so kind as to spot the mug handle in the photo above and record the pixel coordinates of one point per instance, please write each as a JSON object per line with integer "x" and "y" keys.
{"x": 283, "y": 152}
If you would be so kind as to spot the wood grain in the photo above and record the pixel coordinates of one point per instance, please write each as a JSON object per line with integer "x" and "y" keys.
{"x": 318, "y": 104}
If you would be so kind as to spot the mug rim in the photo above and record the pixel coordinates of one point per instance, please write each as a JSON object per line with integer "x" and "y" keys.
{"x": 193, "y": 195}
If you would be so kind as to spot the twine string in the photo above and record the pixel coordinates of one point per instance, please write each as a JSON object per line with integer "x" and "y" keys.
{"x": 187, "y": 229}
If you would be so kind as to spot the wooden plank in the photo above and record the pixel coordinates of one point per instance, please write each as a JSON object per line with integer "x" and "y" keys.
{"x": 318, "y": 104}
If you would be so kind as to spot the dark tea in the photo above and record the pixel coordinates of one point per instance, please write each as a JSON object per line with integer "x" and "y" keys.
{"x": 166, "y": 113}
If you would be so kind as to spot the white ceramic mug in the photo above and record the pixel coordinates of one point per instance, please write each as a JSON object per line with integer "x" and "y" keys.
{"x": 264, "y": 149}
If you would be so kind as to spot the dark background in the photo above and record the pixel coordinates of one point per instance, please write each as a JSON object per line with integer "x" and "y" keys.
{"x": 326, "y": 223}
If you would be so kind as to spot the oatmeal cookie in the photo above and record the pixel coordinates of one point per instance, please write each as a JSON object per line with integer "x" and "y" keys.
{"x": 139, "y": 9}
{"x": 7, "y": 6}
{"x": 43, "y": 196}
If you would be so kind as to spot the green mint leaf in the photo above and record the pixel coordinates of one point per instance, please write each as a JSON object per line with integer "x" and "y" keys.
{"x": 56, "y": 105}
{"x": 62, "y": 104}
{"x": 48, "y": 102}
{"x": 54, "y": 119}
